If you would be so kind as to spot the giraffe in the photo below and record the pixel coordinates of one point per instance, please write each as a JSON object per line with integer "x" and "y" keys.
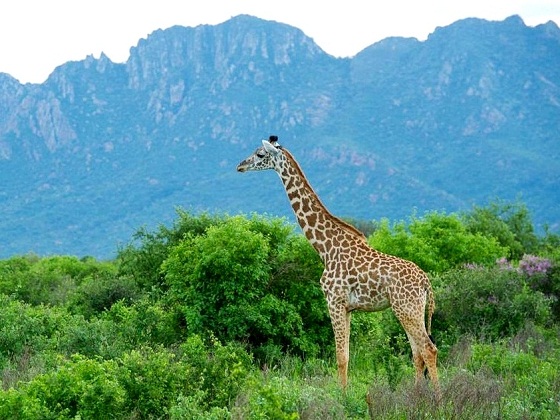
{"x": 355, "y": 276}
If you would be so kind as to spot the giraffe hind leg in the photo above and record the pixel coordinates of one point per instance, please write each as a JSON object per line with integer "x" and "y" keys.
{"x": 429, "y": 354}
{"x": 424, "y": 351}
{"x": 425, "y": 367}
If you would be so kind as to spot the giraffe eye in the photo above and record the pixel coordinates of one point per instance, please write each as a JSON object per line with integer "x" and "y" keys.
{"x": 261, "y": 154}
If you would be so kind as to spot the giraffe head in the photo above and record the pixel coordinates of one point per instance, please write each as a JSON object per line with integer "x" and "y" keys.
{"x": 268, "y": 156}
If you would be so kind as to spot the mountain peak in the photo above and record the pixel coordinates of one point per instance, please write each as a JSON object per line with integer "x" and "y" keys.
{"x": 103, "y": 148}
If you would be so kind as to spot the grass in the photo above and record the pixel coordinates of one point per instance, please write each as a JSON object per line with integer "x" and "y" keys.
{"x": 474, "y": 386}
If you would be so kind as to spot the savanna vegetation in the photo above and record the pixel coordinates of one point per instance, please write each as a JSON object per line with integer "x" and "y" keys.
{"x": 222, "y": 317}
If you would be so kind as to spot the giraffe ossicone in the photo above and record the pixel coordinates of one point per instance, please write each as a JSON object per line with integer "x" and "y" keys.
{"x": 355, "y": 276}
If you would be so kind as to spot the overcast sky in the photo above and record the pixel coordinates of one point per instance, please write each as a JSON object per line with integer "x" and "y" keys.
{"x": 38, "y": 35}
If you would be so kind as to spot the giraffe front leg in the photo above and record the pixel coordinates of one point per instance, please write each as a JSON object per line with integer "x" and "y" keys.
{"x": 340, "y": 320}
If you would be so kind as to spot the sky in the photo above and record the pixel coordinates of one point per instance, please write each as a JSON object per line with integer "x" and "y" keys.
{"x": 36, "y": 36}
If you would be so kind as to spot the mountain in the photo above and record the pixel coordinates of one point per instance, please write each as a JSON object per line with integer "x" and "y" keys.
{"x": 101, "y": 149}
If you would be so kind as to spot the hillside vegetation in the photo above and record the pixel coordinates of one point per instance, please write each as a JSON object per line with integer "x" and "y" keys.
{"x": 222, "y": 317}
{"x": 469, "y": 114}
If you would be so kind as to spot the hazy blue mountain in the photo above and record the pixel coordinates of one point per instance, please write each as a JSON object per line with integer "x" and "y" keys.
{"x": 101, "y": 149}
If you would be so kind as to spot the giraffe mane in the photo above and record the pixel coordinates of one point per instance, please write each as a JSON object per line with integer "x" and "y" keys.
{"x": 338, "y": 221}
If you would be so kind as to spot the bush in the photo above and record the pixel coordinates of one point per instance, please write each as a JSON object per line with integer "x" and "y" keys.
{"x": 141, "y": 383}
{"x": 98, "y": 293}
{"x": 437, "y": 243}
{"x": 145, "y": 323}
{"x": 49, "y": 280}
{"x": 236, "y": 282}
{"x": 285, "y": 395}
{"x": 222, "y": 271}
{"x": 296, "y": 274}
{"x": 79, "y": 388}
{"x": 509, "y": 223}
{"x": 152, "y": 379}
{"x": 487, "y": 303}
{"x": 531, "y": 383}
{"x": 27, "y": 329}
{"x": 142, "y": 258}
{"x": 192, "y": 407}
{"x": 217, "y": 371}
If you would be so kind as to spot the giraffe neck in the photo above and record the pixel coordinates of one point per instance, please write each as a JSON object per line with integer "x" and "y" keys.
{"x": 320, "y": 227}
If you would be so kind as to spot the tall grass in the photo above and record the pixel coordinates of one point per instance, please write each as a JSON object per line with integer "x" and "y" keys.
{"x": 479, "y": 381}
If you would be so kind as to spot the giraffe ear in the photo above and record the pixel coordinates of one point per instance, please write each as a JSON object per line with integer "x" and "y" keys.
{"x": 269, "y": 147}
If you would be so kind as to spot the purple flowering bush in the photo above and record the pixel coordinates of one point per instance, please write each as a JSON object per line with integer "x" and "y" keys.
{"x": 543, "y": 276}
{"x": 533, "y": 265}
{"x": 504, "y": 264}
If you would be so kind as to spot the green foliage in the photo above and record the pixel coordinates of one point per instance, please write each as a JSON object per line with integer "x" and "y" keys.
{"x": 296, "y": 271}
{"x": 509, "y": 223}
{"x": 273, "y": 400}
{"x": 488, "y": 303}
{"x": 97, "y": 294}
{"x": 193, "y": 407}
{"x": 237, "y": 281}
{"x": 549, "y": 284}
{"x": 437, "y": 242}
{"x": 210, "y": 319}
{"x": 218, "y": 274}
{"x": 50, "y": 280}
{"x": 550, "y": 245}
{"x": 95, "y": 337}
{"x": 24, "y": 328}
{"x": 80, "y": 387}
{"x": 142, "y": 258}
{"x": 279, "y": 396}
{"x": 218, "y": 370}
{"x": 143, "y": 383}
{"x": 388, "y": 347}
{"x": 532, "y": 382}
{"x": 152, "y": 379}
{"x": 146, "y": 322}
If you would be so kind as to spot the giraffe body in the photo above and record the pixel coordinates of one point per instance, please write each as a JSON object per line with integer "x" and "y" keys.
{"x": 356, "y": 276}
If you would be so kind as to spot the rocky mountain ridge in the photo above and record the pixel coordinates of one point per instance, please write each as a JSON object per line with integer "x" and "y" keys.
{"x": 101, "y": 149}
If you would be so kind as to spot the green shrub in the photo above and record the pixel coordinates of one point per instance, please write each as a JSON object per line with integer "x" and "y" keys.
{"x": 509, "y": 223}
{"x": 49, "y": 280}
{"x": 80, "y": 387}
{"x": 27, "y": 329}
{"x": 90, "y": 338}
{"x": 15, "y": 404}
{"x": 142, "y": 258}
{"x": 146, "y": 322}
{"x": 487, "y": 303}
{"x": 237, "y": 282}
{"x": 98, "y": 293}
{"x": 217, "y": 370}
{"x": 219, "y": 274}
{"x": 437, "y": 243}
{"x": 296, "y": 274}
{"x": 546, "y": 281}
{"x": 531, "y": 383}
{"x": 152, "y": 380}
{"x": 273, "y": 399}
{"x": 193, "y": 407}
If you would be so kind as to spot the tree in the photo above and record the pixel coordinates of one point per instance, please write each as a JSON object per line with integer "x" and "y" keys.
{"x": 437, "y": 242}
{"x": 509, "y": 223}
